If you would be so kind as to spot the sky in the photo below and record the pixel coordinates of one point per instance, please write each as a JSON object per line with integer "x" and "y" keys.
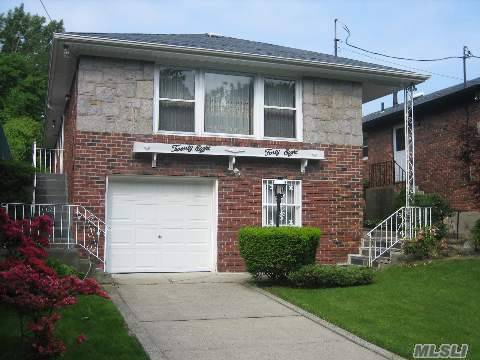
{"x": 420, "y": 29}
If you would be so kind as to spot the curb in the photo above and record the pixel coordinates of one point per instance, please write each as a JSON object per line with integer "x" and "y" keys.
{"x": 347, "y": 335}
{"x": 152, "y": 350}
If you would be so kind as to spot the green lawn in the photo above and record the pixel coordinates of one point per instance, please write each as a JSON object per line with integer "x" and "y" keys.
{"x": 97, "y": 318}
{"x": 434, "y": 303}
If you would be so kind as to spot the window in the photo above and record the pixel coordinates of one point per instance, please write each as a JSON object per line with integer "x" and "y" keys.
{"x": 228, "y": 104}
{"x": 290, "y": 207}
{"x": 280, "y": 109}
{"x": 176, "y": 100}
{"x": 365, "y": 145}
{"x": 400, "y": 139}
{"x": 202, "y": 103}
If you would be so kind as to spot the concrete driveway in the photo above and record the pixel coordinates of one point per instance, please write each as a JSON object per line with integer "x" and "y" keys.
{"x": 220, "y": 316}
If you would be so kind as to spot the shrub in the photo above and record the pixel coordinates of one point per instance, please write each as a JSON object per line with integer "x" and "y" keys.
{"x": 63, "y": 270}
{"x": 440, "y": 208}
{"x": 275, "y": 252}
{"x": 426, "y": 244}
{"x": 476, "y": 235}
{"x": 32, "y": 288}
{"x": 325, "y": 276}
{"x": 17, "y": 181}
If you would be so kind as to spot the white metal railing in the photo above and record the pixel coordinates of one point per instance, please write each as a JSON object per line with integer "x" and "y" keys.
{"x": 73, "y": 225}
{"x": 47, "y": 160}
{"x": 403, "y": 224}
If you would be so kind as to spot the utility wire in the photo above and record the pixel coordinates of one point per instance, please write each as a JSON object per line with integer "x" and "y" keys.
{"x": 44, "y": 8}
{"x": 345, "y": 27}
{"x": 402, "y": 65}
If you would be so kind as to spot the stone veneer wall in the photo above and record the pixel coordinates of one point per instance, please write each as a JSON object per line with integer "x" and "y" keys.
{"x": 332, "y": 112}
{"x": 117, "y": 96}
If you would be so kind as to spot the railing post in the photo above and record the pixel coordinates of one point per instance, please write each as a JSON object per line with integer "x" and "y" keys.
{"x": 34, "y": 157}
{"x": 61, "y": 160}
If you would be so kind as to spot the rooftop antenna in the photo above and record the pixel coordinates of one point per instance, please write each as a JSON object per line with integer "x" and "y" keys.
{"x": 466, "y": 54}
{"x": 335, "y": 39}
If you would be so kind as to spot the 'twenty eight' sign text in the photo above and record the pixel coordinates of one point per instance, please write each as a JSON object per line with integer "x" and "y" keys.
{"x": 162, "y": 148}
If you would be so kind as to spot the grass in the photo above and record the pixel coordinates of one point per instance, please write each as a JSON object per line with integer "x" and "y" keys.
{"x": 433, "y": 303}
{"x": 97, "y": 318}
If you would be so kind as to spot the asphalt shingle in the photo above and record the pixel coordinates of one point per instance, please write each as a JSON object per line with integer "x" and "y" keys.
{"x": 215, "y": 42}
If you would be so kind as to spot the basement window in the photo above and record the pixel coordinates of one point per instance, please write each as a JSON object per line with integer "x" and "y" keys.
{"x": 290, "y": 207}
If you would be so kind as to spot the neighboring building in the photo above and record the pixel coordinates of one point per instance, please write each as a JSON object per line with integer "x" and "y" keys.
{"x": 5, "y": 153}
{"x": 175, "y": 140}
{"x": 447, "y": 125}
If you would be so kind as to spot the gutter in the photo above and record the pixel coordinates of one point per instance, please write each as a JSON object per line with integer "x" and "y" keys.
{"x": 407, "y": 75}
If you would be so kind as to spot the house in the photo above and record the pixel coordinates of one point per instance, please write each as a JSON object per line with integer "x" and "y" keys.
{"x": 175, "y": 140}
{"x": 447, "y": 149}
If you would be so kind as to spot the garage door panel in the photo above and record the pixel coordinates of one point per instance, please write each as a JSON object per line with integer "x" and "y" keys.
{"x": 123, "y": 235}
{"x": 160, "y": 226}
{"x": 145, "y": 213}
{"x": 146, "y": 235}
{"x": 146, "y": 260}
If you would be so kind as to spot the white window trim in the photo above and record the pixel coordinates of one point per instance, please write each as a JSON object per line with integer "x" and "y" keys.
{"x": 258, "y": 109}
{"x": 297, "y": 204}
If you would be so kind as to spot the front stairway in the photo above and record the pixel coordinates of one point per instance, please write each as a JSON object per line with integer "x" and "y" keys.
{"x": 76, "y": 230}
{"x": 50, "y": 189}
{"x": 378, "y": 244}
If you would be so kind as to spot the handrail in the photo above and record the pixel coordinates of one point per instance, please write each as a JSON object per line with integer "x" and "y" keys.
{"x": 47, "y": 160}
{"x": 401, "y": 225}
{"x": 71, "y": 225}
{"x": 385, "y": 173}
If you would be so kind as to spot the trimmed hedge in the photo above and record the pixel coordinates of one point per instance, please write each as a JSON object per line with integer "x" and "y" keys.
{"x": 325, "y": 276}
{"x": 275, "y": 252}
{"x": 16, "y": 181}
{"x": 476, "y": 235}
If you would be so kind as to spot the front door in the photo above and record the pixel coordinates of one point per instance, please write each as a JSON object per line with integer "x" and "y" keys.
{"x": 399, "y": 152}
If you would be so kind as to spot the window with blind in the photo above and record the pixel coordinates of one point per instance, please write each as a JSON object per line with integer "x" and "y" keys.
{"x": 206, "y": 103}
{"x": 280, "y": 108}
{"x": 176, "y": 100}
{"x": 290, "y": 207}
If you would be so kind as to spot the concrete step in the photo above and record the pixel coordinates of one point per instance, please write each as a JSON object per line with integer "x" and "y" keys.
{"x": 358, "y": 259}
{"x": 51, "y": 199}
{"x": 41, "y": 176}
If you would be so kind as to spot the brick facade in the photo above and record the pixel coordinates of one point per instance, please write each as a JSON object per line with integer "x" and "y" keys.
{"x": 439, "y": 143}
{"x": 332, "y": 189}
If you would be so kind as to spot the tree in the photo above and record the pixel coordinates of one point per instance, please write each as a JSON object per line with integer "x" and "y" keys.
{"x": 21, "y": 132}
{"x": 25, "y": 41}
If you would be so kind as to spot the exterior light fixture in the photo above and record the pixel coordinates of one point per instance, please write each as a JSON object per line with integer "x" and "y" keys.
{"x": 66, "y": 51}
{"x": 279, "y": 188}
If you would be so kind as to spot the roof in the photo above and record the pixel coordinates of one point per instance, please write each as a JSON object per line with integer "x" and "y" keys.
{"x": 421, "y": 101}
{"x": 209, "y": 51}
{"x": 225, "y": 43}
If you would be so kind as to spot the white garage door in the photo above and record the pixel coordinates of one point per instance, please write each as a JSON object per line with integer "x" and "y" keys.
{"x": 160, "y": 225}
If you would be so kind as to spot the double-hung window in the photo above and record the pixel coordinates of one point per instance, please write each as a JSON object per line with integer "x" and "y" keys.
{"x": 176, "y": 103}
{"x": 213, "y": 103}
{"x": 280, "y": 109}
{"x": 290, "y": 207}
